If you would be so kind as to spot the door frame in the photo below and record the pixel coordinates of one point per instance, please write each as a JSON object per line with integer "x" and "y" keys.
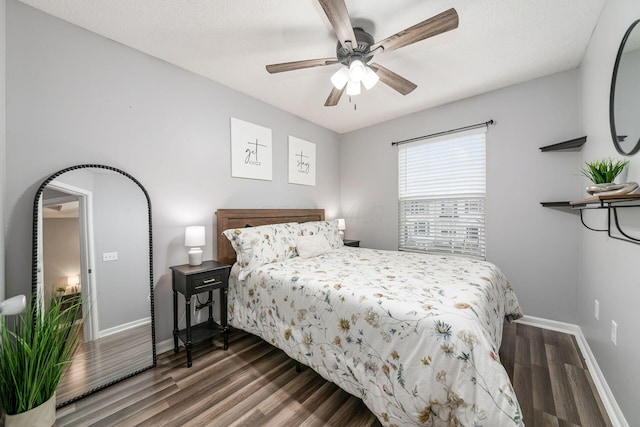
{"x": 88, "y": 280}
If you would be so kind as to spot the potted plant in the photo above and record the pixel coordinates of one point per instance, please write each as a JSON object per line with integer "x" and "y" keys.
{"x": 34, "y": 351}
{"x": 603, "y": 171}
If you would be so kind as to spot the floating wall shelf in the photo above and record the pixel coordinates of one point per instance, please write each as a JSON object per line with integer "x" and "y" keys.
{"x": 570, "y": 145}
{"x": 566, "y": 204}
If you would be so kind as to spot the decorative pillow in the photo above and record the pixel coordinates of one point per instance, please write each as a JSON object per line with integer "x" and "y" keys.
{"x": 312, "y": 246}
{"x": 328, "y": 229}
{"x": 257, "y": 246}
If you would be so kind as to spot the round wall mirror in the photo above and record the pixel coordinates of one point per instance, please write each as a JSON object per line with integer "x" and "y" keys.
{"x": 92, "y": 240}
{"x": 624, "y": 102}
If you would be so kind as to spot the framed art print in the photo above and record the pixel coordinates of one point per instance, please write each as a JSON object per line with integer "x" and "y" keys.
{"x": 251, "y": 150}
{"x": 302, "y": 161}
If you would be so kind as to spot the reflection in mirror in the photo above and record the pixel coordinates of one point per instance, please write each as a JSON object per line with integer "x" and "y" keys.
{"x": 92, "y": 237}
{"x": 624, "y": 102}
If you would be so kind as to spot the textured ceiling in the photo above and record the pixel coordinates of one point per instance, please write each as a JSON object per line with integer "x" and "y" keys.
{"x": 497, "y": 43}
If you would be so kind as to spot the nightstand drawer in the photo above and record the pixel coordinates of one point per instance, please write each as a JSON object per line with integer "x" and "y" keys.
{"x": 205, "y": 282}
{"x": 191, "y": 280}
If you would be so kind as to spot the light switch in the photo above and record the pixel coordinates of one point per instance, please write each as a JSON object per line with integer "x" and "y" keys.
{"x": 109, "y": 256}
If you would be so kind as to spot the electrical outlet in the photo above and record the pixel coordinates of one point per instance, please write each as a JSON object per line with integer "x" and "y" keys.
{"x": 597, "y": 310}
{"x": 614, "y": 332}
{"x": 110, "y": 256}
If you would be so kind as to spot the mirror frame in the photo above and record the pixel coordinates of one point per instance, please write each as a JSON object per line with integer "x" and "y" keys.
{"x": 34, "y": 268}
{"x": 612, "y": 94}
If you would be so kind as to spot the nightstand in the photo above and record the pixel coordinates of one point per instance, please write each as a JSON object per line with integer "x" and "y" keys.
{"x": 193, "y": 280}
{"x": 352, "y": 243}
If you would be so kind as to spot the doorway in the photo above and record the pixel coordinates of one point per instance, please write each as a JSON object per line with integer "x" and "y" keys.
{"x": 67, "y": 244}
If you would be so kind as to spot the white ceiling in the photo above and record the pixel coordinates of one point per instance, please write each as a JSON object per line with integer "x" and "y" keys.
{"x": 498, "y": 43}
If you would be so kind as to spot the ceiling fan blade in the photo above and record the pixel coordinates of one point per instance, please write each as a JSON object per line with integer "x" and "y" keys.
{"x": 393, "y": 80}
{"x": 299, "y": 65}
{"x": 441, "y": 23}
{"x": 336, "y": 11}
{"x": 334, "y": 97}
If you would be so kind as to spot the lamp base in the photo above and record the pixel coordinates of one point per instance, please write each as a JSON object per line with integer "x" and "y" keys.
{"x": 341, "y": 234}
{"x": 195, "y": 256}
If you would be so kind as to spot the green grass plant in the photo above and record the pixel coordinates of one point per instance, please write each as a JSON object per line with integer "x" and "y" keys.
{"x": 34, "y": 352}
{"x": 603, "y": 171}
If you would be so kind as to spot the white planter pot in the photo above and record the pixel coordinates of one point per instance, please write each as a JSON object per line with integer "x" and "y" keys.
{"x": 40, "y": 416}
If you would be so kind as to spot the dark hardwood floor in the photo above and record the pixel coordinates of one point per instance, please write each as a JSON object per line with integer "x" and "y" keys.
{"x": 254, "y": 384}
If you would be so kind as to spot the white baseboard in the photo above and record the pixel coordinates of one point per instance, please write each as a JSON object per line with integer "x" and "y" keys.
{"x": 110, "y": 331}
{"x": 608, "y": 400}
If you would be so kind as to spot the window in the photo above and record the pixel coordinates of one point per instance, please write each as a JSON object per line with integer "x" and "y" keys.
{"x": 441, "y": 194}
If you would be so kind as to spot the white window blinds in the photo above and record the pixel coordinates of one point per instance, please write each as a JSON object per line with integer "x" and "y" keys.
{"x": 441, "y": 194}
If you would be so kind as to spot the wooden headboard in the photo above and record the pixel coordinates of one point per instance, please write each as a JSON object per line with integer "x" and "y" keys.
{"x": 239, "y": 218}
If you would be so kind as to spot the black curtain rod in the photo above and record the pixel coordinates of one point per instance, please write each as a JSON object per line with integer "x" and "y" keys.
{"x": 446, "y": 132}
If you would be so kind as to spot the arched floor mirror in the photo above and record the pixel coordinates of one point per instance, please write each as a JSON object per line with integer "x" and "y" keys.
{"x": 92, "y": 239}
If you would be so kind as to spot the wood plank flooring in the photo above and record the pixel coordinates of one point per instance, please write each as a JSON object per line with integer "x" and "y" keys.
{"x": 550, "y": 378}
{"x": 103, "y": 360}
{"x": 254, "y": 384}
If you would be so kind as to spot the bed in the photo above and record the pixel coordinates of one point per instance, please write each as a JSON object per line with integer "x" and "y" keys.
{"x": 415, "y": 336}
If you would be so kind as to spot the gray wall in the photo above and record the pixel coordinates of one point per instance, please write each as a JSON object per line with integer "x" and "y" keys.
{"x": 536, "y": 247}
{"x": 3, "y": 138}
{"x": 74, "y": 97}
{"x": 609, "y": 270}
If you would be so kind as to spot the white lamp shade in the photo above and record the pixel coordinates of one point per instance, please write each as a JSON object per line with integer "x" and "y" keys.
{"x": 357, "y": 70}
{"x": 73, "y": 280}
{"x": 340, "y": 78}
{"x": 341, "y": 224}
{"x": 194, "y": 235}
{"x": 353, "y": 87}
{"x": 14, "y": 305}
{"x": 370, "y": 78}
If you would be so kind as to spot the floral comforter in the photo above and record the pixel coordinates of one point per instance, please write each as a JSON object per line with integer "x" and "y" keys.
{"x": 415, "y": 336}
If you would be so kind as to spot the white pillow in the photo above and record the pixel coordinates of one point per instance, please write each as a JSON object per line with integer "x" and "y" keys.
{"x": 328, "y": 229}
{"x": 257, "y": 246}
{"x": 312, "y": 246}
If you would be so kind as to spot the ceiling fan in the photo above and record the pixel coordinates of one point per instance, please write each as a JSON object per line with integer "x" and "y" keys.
{"x": 356, "y": 49}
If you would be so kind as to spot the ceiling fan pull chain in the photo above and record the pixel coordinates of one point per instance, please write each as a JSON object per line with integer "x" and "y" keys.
{"x": 355, "y": 106}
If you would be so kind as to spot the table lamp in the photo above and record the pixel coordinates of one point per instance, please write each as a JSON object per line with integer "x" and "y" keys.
{"x": 72, "y": 283}
{"x": 14, "y": 305}
{"x": 194, "y": 237}
{"x": 341, "y": 228}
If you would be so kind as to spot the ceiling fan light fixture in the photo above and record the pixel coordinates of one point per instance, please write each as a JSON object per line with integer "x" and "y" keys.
{"x": 353, "y": 88}
{"x": 340, "y": 78}
{"x": 370, "y": 78}
{"x": 356, "y": 48}
{"x": 357, "y": 70}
